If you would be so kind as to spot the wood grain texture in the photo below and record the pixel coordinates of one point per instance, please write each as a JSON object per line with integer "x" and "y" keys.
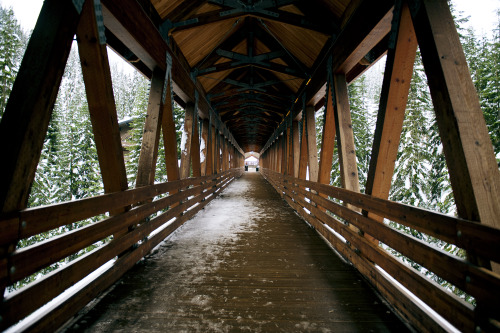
{"x": 187, "y": 137}
{"x": 101, "y": 102}
{"x": 195, "y": 148}
{"x": 327, "y": 140}
{"x": 204, "y": 149}
{"x": 312, "y": 150}
{"x": 28, "y": 110}
{"x": 169, "y": 136}
{"x": 345, "y": 136}
{"x": 452, "y": 308}
{"x": 151, "y": 135}
{"x": 274, "y": 274}
{"x": 396, "y": 84}
{"x": 296, "y": 149}
{"x": 474, "y": 173}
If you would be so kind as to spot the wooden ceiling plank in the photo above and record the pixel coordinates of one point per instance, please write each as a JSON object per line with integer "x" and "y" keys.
{"x": 269, "y": 41}
{"x": 184, "y": 10}
{"x": 134, "y": 28}
{"x": 361, "y": 24}
{"x": 271, "y": 14}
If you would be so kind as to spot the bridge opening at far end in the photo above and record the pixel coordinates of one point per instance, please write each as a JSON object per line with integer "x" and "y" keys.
{"x": 252, "y": 161}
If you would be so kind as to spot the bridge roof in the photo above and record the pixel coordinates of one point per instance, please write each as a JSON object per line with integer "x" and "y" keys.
{"x": 252, "y": 61}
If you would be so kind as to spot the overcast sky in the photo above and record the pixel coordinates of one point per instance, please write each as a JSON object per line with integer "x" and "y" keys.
{"x": 482, "y": 12}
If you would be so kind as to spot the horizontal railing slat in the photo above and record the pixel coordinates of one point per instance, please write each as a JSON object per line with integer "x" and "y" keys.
{"x": 67, "y": 309}
{"x": 30, "y": 259}
{"x": 453, "y": 269}
{"x": 19, "y": 304}
{"x": 33, "y": 221}
{"x": 472, "y": 236}
{"x": 405, "y": 307}
{"x": 445, "y": 303}
{"x": 479, "y": 282}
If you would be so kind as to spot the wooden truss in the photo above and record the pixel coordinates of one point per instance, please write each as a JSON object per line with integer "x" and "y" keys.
{"x": 253, "y": 88}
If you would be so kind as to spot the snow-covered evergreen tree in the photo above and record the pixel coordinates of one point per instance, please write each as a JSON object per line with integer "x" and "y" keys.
{"x": 363, "y": 120}
{"x": 12, "y": 45}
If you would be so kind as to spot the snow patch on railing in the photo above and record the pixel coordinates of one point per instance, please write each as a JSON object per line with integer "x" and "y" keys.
{"x": 67, "y": 294}
{"x": 430, "y": 312}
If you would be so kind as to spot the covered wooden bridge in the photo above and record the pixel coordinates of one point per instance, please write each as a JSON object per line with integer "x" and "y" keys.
{"x": 250, "y": 76}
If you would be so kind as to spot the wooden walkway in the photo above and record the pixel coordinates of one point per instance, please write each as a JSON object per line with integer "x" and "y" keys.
{"x": 247, "y": 263}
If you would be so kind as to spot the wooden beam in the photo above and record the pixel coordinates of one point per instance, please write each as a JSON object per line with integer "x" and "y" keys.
{"x": 210, "y": 151}
{"x": 217, "y": 152}
{"x": 169, "y": 135}
{"x": 263, "y": 65}
{"x": 151, "y": 134}
{"x": 204, "y": 148}
{"x": 127, "y": 20}
{"x": 290, "y": 162}
{"x": 195, "y": 148}
{"x": 312, "y": 150}
{"x": 27, "y": 114}
{"x": 185, "y": 9}
{"x": 345, "y": 136}
{"x": 101, "y": 102}
{"x": 395, "y": 87}
{"x": 187, "y": 136}
{"x": 296, "y": 148}
{"x": 358, "y": 31}
{"x": 328, "y": 140}
{"x": 472, "y": 166}
{"x": 225, "y": 154}
{"x": 271, "y": 14}
{"x": 303, "y": 151}
{"x": 28, "y": 110}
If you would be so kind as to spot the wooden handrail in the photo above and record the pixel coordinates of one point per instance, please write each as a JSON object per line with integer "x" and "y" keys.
{"x": 26, "y": 261}
{"x": 36, "y": 220}
{"x": 479, "y": 282}
{"x": 469, "y": 235}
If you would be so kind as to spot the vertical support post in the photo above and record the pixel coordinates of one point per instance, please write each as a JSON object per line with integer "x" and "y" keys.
{"x": 303, "y": 148}
{"x": 217, "y": 152}
{"x": 210, "y": 150}
{"x": 195, "y": 147}
{"x": 472, "y": 166}
{"x": 205, "y": 148}
{"x": 29, "y": 108}
{"x": 187, "y": 136}
{"x": 151, "y": 134}
{"x": 101, "y": 102}
{"x": 214, "y": 150}
{"x": 168, "y": 126}
{"x": 296, "y": 148}
{"x": 345, "y": 136}
{"x": 224, "y": 153}
{"x": 290, "y": 162}
{"x": 395, "y": 87}
{"x": 27, "y": 114}
{"x": 312, "y": 150}
{"x": 279, "y": 149}
{"x": 329, "y": 131}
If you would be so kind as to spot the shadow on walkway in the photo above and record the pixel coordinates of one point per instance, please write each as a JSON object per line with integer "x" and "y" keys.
{"x": 246, "y": 263}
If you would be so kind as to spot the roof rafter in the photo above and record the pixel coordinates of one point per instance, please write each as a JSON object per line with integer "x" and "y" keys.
{"x": 263, "y": 9}
{"x": 259, "y": 61}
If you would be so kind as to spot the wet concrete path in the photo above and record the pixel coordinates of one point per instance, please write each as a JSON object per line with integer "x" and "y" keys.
{"x": 246, "y": 263}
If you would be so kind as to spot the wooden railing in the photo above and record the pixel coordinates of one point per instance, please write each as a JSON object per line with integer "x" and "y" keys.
{"x": 314, "y": 203}
{"x": 138, "y": 235}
